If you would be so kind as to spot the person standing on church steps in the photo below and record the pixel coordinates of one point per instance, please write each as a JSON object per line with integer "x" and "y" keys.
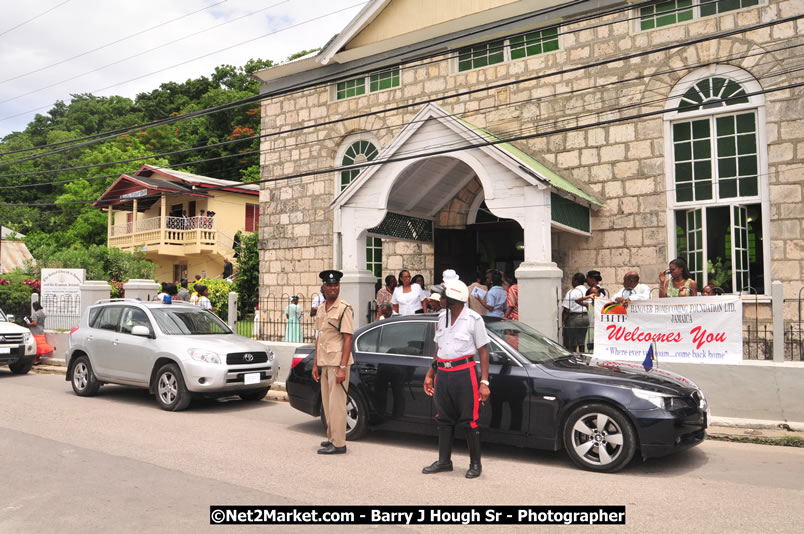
{"x": 455, "y": 387}
{"x": 333, "y": 355}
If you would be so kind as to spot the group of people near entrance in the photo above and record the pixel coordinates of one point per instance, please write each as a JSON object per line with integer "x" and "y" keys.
{"x": 578, "y": 303}
{"x": 491, "y": 294}
{"x": 456, "y": 381}
{"x": 199, "y": 295}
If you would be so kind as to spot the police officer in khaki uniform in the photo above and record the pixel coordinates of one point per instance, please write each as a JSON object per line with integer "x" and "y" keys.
{"x": 457, "y": 391}
{"x": 333, "y": 356}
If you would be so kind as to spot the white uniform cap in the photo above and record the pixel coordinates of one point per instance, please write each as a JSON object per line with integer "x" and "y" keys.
{"x": 456, "y": 290}
{"x": 449, "y": 274}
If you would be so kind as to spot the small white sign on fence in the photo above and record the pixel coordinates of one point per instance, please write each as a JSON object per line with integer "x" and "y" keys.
{"x": 61, "y": 296}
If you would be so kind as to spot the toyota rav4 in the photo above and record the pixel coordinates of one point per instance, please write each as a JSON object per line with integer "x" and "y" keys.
{"x": 175, "y": 350}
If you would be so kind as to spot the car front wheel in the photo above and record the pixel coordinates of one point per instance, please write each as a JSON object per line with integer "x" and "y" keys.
{"x": 22, "y": 366}
{"x": 599, "y": 438}
{"x": 255, "y": 395}
{"x": 82, "y": 378}
{"x": 356, "y": 417}
{"x": 171, "y": 393}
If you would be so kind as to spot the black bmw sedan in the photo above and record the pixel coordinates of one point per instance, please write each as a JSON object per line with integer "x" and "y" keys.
{"x": 542, "y": 396}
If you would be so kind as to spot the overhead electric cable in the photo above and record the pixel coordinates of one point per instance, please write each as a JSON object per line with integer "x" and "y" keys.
{"x": 598, "y": 112}
{"x": 138, "y": 54}
{"x": 34, "y": 18}
{"x": 327, "y": 79}
{"x": 247, "y": 41}
{"x": 138, "y": 33}
{"x": 480, "y": 144}
{"x": 399, "y": 107}
{"x": 480, "y": 89}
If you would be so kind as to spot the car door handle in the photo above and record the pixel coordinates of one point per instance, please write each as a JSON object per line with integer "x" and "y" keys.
{"x": 367, "y": 369}
{"x": 115, "y": 341}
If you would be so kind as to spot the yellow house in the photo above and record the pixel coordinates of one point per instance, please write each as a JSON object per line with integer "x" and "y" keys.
{"x": 165, "y": 213}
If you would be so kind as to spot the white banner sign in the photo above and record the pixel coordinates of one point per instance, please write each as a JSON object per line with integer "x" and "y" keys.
{"x": 688, "y": 329}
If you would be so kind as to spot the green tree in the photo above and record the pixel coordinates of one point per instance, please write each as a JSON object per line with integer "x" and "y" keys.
{"x": 247, "y": 281}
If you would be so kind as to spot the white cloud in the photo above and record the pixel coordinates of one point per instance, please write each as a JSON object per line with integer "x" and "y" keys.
{"x": 81, "y": 25}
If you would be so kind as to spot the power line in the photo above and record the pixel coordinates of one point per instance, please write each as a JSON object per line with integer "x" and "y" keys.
{"x": 429, "y": 100}
{"x": 458, "y": 94}
{"x": 771, "y": 74}
{"x": 433, "y": 153}
{"x": 34, "y": 18}
{"x": 148, "y": 51}
{"x": 346, "y": 74}
{"x": 198, "y": 57}
{"x": 135, "y": 34}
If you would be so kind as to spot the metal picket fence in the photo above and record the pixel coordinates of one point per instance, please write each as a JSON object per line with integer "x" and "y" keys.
{"x": 63, "y": 311}
{"x": 276, "y": 318}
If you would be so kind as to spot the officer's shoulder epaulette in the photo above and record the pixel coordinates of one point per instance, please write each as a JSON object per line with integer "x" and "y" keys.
{"x": 345, "y": 304}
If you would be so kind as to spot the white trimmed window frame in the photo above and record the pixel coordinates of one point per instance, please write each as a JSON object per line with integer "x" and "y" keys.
{"x": 756, "y": 103}
{"x": 506, "y": 50}
{"x": 344, "y": 146}
{"x": 696, "y": 16}
{"x": 333, "y": 88}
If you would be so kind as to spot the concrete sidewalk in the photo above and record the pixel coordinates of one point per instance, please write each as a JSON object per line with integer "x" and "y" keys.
{"x": 719, "y": 427}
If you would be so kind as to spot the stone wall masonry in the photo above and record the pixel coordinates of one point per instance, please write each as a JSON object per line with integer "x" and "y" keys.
{"x": 624, "y": 162}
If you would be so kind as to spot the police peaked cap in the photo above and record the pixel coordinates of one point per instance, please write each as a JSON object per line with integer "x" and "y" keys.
{"x": 331, "y": 276}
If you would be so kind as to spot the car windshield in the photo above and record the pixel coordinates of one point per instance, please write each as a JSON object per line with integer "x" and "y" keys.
{"x": 527, "y": 341}
{"x": 182, "y": 321}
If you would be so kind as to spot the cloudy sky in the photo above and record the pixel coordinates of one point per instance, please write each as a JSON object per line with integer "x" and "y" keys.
{"x": 50, "y": 49}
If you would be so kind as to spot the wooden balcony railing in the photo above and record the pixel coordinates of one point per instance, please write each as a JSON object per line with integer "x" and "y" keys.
{"x": 164, "y": 231}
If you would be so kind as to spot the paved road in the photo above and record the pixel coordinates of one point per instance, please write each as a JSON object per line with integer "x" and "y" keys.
{"x": 118, "y": 463}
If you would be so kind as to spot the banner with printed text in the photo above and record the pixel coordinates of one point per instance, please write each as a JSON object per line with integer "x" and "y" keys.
{"x": 689, "y": 329}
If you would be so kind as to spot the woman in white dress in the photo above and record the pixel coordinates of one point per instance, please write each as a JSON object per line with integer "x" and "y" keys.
{"x": 407, "y": 298}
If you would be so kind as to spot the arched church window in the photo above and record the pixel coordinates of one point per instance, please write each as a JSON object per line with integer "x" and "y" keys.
{"x": 716, "y": 155}
{"x": 358, "y": 152}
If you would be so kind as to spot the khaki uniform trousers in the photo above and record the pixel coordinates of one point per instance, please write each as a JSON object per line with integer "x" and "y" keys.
{"x": 333, "y": 397}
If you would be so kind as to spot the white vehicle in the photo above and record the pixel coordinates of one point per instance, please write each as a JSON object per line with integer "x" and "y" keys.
{"x": 175, "y": 350}
{"x": 17, "y": 345}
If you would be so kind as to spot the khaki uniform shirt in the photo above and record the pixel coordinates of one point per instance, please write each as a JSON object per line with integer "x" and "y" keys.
{"x": 329, "y": 346}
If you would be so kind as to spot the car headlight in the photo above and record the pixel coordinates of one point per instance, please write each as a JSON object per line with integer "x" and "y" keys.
{"x": 206, "y": 356}
{"x": 660, "y": 400}
{"x": 270, "y": 356}
{"x": 27, "y": 338}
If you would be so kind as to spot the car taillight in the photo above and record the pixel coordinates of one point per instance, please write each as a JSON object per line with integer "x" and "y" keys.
{"x": 73, "y": 330}
{"x": 296, "y": 361}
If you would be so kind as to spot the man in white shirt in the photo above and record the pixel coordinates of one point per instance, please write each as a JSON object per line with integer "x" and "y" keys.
{"x": 457, "y": 392}
{"x": 574, "y": 316}
{"x": 632, "y": 290}
{"x": 318, "y": 300}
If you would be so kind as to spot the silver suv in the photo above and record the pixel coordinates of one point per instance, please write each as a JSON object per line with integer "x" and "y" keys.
{"x": 175, "y": 350}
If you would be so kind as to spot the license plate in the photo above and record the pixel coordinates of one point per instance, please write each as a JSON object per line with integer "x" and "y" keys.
{"x": 251, "y": 378}
{"x": 5, "y": 350}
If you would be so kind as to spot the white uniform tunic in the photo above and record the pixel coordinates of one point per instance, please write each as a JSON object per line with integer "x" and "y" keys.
{"x": 462, "y": 338}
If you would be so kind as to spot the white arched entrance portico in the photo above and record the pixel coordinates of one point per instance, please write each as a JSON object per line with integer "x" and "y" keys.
{"x": 418, "y": 182}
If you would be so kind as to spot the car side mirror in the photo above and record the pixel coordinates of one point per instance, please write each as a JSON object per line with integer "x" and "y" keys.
{"x": 10, "y": 318}
{"x": 140, "y": 330}
{"x": 499, "y": 358}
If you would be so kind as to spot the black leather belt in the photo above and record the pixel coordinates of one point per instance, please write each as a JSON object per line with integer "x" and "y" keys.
{"x": 455, "y": 363}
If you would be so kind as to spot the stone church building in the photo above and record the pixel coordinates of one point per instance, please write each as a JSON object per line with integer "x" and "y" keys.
{"x": 542, "y": 138}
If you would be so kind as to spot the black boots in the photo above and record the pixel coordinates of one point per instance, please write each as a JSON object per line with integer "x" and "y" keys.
{"x": 444, "y": 463}
{"x": 473, "y": 443}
